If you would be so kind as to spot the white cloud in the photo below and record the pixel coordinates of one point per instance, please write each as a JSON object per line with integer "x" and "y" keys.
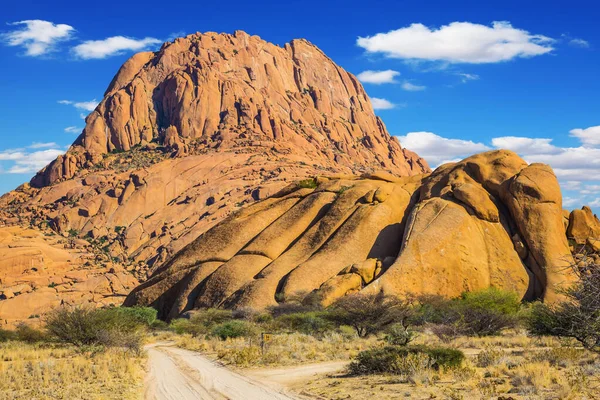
{"x": 438, "y": 150}
{"x": 524, "y": 145}
{"x": 378, "y": 77}
{"x": 576, "y": 42}
{"x": 468, "y": 77}
{"x": 112, "y": 46}
{"x": 589, "y": 137}
{"x": 72, "y": 129}
{"x": 38, "y": 145}
{"x": 458, "y": 42}
{"x": 381, "y": 104}
{"x": 577, "y": 168}
{"x": 406, "y": 85}
{"x": 81, "y": 105}
{"x": 24, "y": 162}
{"x": 36, "y": 36}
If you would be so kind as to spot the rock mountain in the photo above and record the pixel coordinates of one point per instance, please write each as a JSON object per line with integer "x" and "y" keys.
{"x": 225, "y": 171}
{"x": 182, "y": 138}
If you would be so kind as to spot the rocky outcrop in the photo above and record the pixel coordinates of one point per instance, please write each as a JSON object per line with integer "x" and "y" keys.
{"x": 489, "y": 220}
{"x": 189, "y": 134}
{"x": 584, "y": 228}
{"x": 39, "y": 271}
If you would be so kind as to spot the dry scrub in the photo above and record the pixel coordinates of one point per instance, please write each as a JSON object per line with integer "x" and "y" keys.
{"x": 511, "y": 365}
{"x": 48, "y": 371}
{"x": 284, "y": 349}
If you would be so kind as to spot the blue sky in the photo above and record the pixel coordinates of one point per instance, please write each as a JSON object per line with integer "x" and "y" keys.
{"x": 450, "y": 78}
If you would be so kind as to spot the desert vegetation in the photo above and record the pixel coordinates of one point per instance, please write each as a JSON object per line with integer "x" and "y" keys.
{"x": 80, "y": 353}
{"x": 479, "y": 345}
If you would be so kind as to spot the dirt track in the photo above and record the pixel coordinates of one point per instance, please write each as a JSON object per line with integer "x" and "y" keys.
{"x": 185, "y": 375}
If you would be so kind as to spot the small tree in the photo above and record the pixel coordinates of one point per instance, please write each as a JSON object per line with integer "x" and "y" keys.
{"x": 578, "y": 317}
{"x": 371, "y": 313}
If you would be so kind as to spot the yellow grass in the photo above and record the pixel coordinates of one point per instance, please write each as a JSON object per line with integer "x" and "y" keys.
{"x": 511, "y": 365}
{"x": 284, "y": 349}
{"x": 30, "y": 371}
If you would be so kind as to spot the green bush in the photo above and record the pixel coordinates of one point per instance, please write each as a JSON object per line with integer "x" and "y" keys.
{"x": 137, "y": 314}
{"x": 233, "y": 329}
{"x": 487, "y": 312}
{"x": 307, "y": 183}
{"x": 403, "y": 360}
{"x": 201, "y": 322}
{"x": 311, "y": 322}
{"x": 399, "y": 335}
{"x": 6, "y": 335}
{"x": 481, "y": 313}
{"x": 83, "y": 326}
{"x": 28, "y": 334}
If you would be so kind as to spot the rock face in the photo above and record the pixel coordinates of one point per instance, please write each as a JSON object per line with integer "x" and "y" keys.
{"x": 189, "y": 134}
{"x": 584, "y": 228}
{"x": 489, "y": 220}
{"x": 39, "y": 271}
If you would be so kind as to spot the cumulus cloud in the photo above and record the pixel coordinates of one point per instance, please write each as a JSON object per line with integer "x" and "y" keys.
{"x": 410, "y": 87}
{"x": 81, "y": 105}
{"x": 458, "y": 42}
{"x": 36, "y": 36}
{"x": 577, "y": 167}
{"x": 112, "y": 46}
{"x": 438, "y": 150}
{"x": 378, "y": 77}
{"x": 589, "y": 137}
{"x": 20, "y": 161}
{"x": 525, "y": 145}
{"x": 381, "y": 104}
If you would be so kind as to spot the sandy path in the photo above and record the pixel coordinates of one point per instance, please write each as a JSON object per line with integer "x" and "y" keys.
{"x": 177, "y": 374}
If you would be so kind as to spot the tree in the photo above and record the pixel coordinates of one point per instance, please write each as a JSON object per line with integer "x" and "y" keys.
{"x": 371, "y": 313}
{"x": 578, "y": 316}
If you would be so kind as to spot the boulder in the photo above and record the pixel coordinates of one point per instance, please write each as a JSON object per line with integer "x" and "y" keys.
{"x": 490, "y": 220}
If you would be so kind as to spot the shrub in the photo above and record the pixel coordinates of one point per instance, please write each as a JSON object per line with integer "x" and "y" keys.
{"x": 233, "y": 329}
{"x": 578, "y": 316}
{"x": 78, "y": 326}
{"x": 482, "y": 313}
{"x": 446, "y": 332}
{"x": 370, "y": 313}
{"x": 201, "y": 322}
{"x": 399, "y": 335}
{"x": 6, "y": 335}
{"x": 404, "y": 360}
{"x": 211, "y": 317}
{"x": 28, "y": 334}
{"x": 433, "y": 309}
{"x": 183, "y": 325}
{"x": 311, "y": 323}
{"x": 307, "y": 183}
{"x": 290, "y": 307}
{"x": 83, "y": 326}
{"x": 141, "y": 315}
{"x": 487, "y": 312}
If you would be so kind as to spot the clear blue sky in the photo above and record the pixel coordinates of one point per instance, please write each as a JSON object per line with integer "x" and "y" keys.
{"x": 466, "y": 82}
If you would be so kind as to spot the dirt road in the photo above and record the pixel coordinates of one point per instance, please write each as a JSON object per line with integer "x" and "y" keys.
{"x": 185, "y": 375}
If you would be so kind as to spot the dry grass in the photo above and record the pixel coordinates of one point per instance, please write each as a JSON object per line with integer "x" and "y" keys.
{"x": 512, "y": 365}
{"x": 284, "y": 349}
{"x": 29, "y": 371}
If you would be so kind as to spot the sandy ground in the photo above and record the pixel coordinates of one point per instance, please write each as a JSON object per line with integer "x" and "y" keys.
{"x": 184, "y": 375}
